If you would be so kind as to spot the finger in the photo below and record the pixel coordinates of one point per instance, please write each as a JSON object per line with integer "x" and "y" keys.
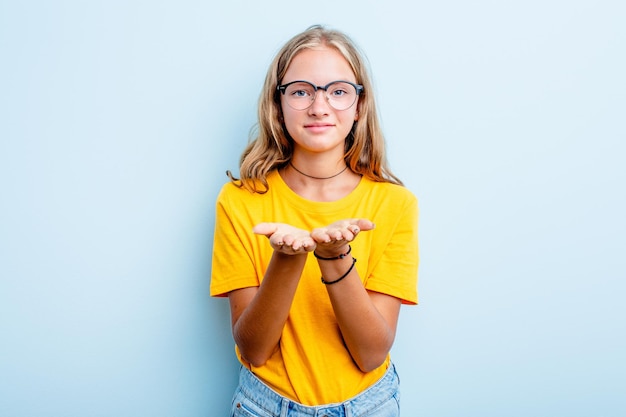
{"x": 304, "y": 243}
{"x": 289, "y": 240}
{"x": 350, "y": 233}
{"x": 309, "y": 244}
{"x": 296, "y": 243}
{"x": 319, "y": 235}
{"x": 364, "y": 224}
{"x": 337, "y": 235}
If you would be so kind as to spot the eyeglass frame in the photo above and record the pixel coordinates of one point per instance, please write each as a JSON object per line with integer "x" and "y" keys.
{"x": 358, "y": 87}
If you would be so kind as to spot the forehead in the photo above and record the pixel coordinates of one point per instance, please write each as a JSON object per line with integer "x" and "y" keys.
{"x": 319, "y": 65}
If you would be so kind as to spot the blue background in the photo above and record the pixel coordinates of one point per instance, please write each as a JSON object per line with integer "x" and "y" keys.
{"x": 118, "y": 120}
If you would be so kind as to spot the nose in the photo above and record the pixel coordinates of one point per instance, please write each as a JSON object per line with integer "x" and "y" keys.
{"x": 320, "y": 105}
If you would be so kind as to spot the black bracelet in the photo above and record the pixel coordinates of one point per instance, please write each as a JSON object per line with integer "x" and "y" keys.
{"x": 341, "y": 277}
{"x": 343, "y": 255}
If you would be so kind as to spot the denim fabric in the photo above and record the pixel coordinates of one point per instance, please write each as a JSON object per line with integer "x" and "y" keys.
{"x": 255, "y": 399}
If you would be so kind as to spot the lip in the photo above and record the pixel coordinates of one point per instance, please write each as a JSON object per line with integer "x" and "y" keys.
{"x": 318, "y": 127}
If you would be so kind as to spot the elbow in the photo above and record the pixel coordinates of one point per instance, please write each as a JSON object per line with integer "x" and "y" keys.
{"x": 370, "y": 359}
{"x": 253, "y": 354}
{"x": 255, "y": 359}
{"x": 370, "y": 364}
{"x": 250, "y": 350}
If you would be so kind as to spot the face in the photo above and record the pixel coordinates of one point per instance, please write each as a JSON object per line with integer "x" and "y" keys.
{"x": 320, "y": 128}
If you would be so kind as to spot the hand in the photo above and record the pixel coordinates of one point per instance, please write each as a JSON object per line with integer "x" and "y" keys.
{"x": 285, "y": 238}
{"x": 333, "y": 240}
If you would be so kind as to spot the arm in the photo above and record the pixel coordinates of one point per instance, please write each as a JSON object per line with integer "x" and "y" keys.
{"x": 367, "y": 320}
{"x": 258, "y": 314}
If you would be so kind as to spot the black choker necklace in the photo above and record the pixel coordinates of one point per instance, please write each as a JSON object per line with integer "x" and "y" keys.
{"x": 318, "y": 178}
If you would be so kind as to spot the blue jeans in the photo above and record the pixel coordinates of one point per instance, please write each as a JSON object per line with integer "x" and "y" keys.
{"x": 255, "y": 399}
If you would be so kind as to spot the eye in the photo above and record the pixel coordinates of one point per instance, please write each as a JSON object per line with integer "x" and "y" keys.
{"x": 338, "y": 92}
{"x": 300, "y": 93}
{"x": 340, "y": 89}
{"x": 300, "y": 90}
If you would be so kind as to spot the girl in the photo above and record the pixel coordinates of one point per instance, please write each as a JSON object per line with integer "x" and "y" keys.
{"x": 313, "y": 328}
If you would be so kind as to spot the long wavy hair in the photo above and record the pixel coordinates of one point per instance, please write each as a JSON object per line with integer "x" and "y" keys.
{"x": 271, "y": 147}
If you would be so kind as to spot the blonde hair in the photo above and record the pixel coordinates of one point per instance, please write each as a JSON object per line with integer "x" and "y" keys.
{"x": 272, "y": 147}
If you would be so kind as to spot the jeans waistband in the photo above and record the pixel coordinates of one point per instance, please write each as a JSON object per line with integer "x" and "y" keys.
{"x": 277, "y": 405}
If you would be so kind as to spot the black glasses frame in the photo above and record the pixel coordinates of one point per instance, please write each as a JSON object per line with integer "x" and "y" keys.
{"x": 316, "y": 88}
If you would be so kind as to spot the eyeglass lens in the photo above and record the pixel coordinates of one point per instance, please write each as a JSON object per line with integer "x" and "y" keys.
{"x": 301, "y": 95}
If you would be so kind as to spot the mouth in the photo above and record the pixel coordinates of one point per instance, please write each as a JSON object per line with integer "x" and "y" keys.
{"x": 318, "y": 127}
{"x": 318, "y": 124}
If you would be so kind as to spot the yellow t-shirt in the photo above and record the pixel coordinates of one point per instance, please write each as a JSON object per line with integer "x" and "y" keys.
{"x": 312, "y": 365}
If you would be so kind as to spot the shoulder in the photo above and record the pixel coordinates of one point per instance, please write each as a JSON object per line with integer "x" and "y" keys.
{"x": 389, "y": 192}
{"x": 236, "y": 193}
{"x": 230, "y": 191}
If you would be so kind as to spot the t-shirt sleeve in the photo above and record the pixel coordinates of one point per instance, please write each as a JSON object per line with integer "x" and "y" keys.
{"x": 395, "y": 273}
{"x": 232, "y": 266}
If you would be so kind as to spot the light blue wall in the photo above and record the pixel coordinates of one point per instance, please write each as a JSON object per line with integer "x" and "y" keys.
{"x": 119, "y": 118}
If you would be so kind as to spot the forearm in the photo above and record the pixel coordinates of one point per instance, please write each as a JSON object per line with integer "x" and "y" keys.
{"x": 367, "y": 329}
{"x": 258, "y": 327}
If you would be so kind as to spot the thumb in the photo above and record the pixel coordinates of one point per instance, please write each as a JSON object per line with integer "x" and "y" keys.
{"x": 265, "y": 229}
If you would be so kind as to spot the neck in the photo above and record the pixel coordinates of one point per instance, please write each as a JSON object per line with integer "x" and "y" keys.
{"x": 315, "y": 177}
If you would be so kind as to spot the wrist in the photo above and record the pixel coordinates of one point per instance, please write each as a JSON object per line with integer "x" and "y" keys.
{"x": 336, "y": 280}
{"x": 333, "y": 255}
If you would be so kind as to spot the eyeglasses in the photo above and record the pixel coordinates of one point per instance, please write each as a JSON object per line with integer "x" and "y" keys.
{"x": 300, "y": 95}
